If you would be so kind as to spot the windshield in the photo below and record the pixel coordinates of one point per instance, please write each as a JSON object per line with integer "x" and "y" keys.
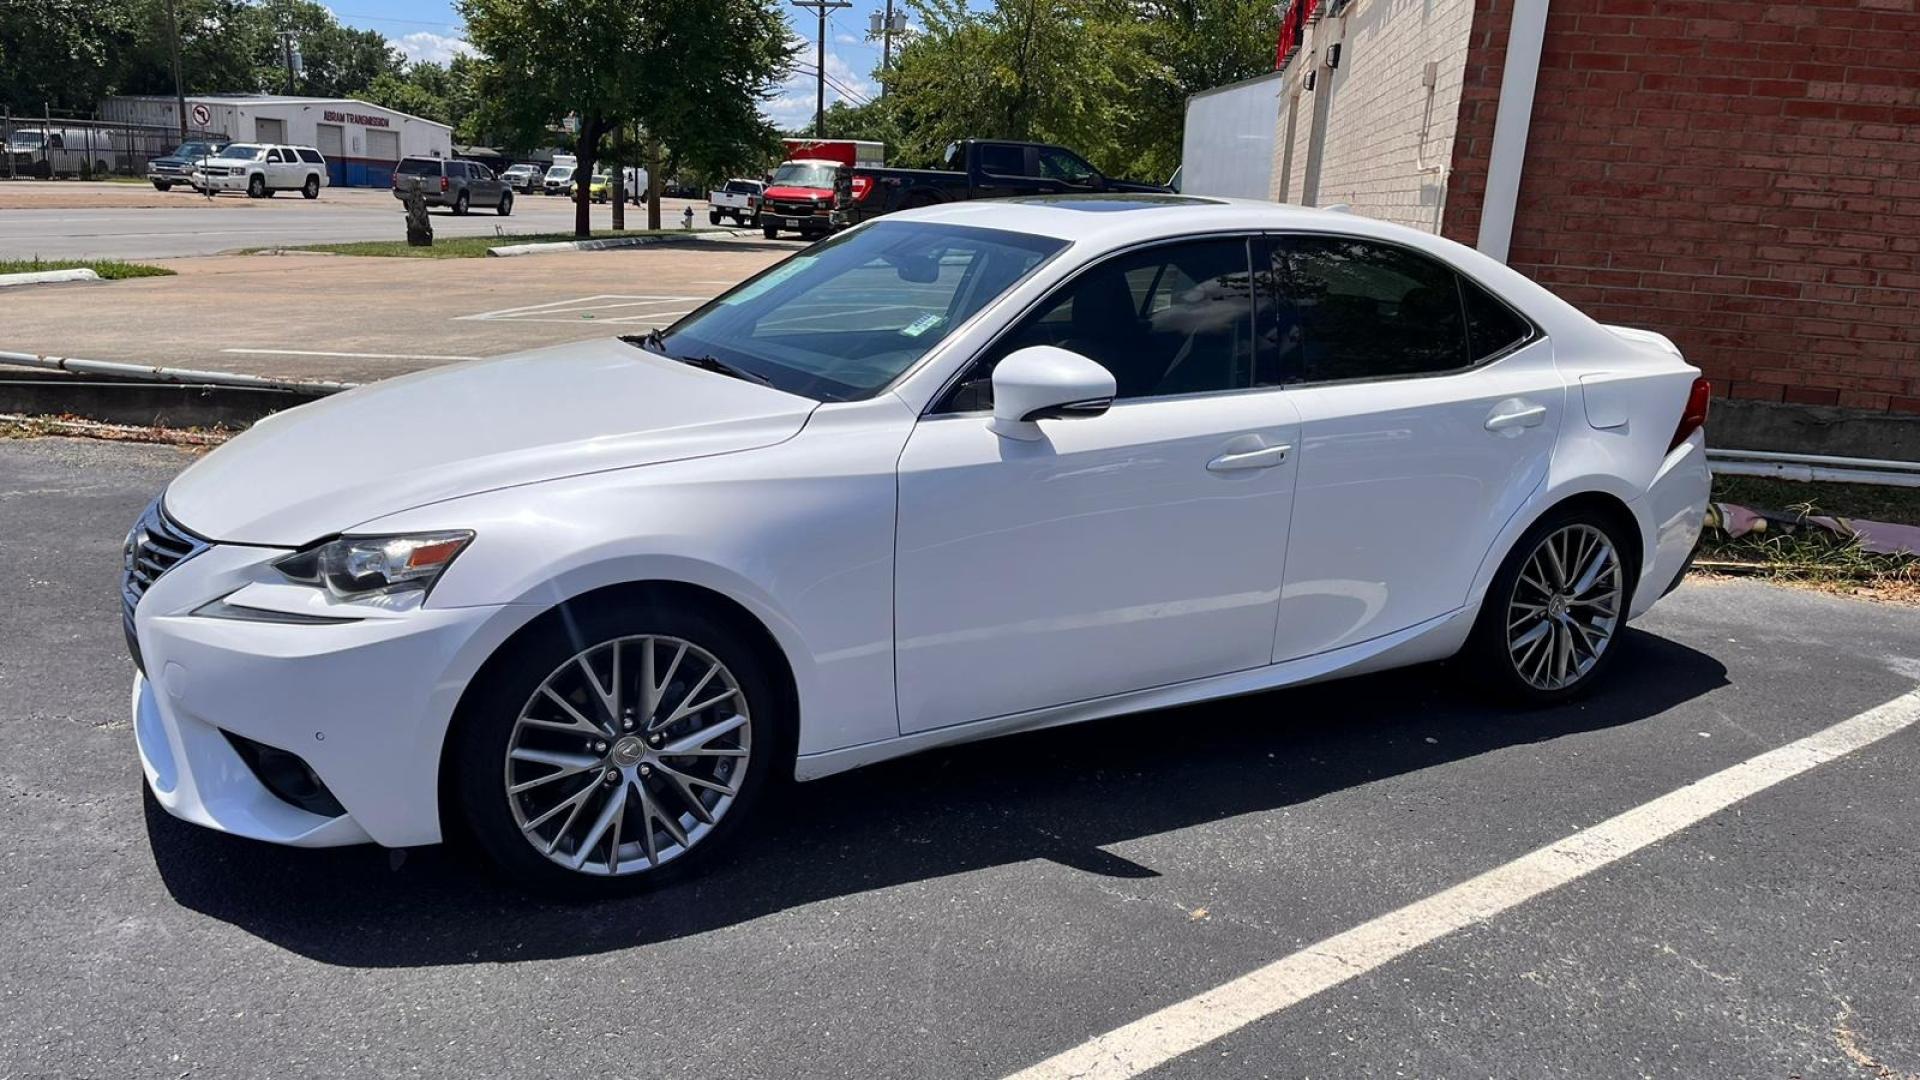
{"x": 812, "y": 174}
{"x": 846, "y": 317}
{"x": 559, "y": 172}
{"x": 244, "y": 152}
{"x": 195, "y": 149}
{"x": 27, "y": 140}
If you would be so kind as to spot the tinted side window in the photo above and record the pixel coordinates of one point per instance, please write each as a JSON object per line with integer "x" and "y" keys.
{"x": 1346, "y": 308}
{"x": 311, "y": 156}
{"x": 1175, "y": 319}
{"x": 1001, "y": 160}
{"x": 1492, "y": 326}
{"x": 1061, "y": 165}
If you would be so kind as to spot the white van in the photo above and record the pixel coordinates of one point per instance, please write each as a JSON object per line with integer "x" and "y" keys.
{"x": 54, "y": 151}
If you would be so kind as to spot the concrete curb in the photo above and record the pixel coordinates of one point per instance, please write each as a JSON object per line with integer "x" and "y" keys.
{"x": 609, "y": 244}
{"x": 145, "y": 396}
{"x": 48, "y": 277}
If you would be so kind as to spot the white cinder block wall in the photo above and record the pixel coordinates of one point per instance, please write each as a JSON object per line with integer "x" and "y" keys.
{"x": 1384, "y": 141}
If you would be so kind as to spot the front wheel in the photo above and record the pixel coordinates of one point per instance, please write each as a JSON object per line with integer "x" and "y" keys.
{"x": 506, "y": 204}
{"x": 770, "y": 232}
{"x": 163, "y": 185}
{"x": 1549, "y": 625}
{"x": 257, "y": 187}
{"x": 460, "y": 203}
{"x": 615, "y": 745}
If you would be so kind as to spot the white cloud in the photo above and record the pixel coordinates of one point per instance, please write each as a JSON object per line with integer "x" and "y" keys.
{"x": 431, "y": 47}
{"x": 791, "y": 108}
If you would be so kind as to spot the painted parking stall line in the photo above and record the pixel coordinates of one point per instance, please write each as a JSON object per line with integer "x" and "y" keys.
{"x": 1161, "y": 1036}
{"x": 604, "y": 307}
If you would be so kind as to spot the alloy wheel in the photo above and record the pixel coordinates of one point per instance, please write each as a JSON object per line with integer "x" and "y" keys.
{"x": 1565, "y": 607}
{"x": 628, "y": 755}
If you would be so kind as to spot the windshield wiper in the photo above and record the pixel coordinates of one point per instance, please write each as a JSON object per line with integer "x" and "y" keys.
{"x": 655, "y": 341}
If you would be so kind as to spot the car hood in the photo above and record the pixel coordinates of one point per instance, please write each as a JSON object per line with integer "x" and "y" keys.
{"x": 390, "y": 446}
{"x": 784, "y": 191}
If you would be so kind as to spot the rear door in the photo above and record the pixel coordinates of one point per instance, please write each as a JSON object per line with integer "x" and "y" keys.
{"x": 1429, "y": 410}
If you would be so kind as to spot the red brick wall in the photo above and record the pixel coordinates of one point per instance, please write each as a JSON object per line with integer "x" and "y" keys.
{"x": 1743, "y": 177}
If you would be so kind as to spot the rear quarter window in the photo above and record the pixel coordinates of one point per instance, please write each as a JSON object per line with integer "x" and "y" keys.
{"x": 312, "y": 157}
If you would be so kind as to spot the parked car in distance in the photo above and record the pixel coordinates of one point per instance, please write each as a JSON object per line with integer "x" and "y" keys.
{"x": 799, "y": 198}
{"x": 177, "y": 165}
{"x": 558, "y": 180}
{"x": 524, "y": 177}
{"x": 737, "y": 199}
{"x": 976, "y": 469}
{"x": 261, "y": 170}
{"x": 600, "y": 186}
{"x": 976, "y": 169}
{"x": 47, "y": 152}
{"x": 458, "y": 185}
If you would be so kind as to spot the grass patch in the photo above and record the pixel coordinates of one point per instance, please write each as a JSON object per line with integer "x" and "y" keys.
{"x": 111, "y": 269}
{"x": 456, "y": 247}
{"x": 1810, "y": 555}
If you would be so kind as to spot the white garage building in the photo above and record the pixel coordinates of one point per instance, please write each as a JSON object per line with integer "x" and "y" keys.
{"x": 361, "y": 142}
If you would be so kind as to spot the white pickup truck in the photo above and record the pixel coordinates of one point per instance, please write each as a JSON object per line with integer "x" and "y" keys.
{"x": 737, "y": 199}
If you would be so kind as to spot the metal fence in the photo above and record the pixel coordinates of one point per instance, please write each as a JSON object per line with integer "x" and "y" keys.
{"x": 55, "y": 144}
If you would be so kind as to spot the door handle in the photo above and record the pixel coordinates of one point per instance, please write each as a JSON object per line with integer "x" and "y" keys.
{"x": 1514, "y": 414}
{"x": 1264, "y": 458}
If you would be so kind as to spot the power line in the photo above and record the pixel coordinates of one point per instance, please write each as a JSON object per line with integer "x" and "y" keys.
{"x": 840, "y": 88}
{"x": 820, "y": 8}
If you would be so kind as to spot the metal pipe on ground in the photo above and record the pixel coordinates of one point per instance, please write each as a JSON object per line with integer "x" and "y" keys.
{"x": 149, "y": 373}
{"x": 1812, "y": 467}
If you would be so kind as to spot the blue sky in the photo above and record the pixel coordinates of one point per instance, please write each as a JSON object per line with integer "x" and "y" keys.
{"x": 432, "y": 30}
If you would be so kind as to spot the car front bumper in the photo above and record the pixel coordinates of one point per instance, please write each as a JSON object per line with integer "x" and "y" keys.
{"x": 362, "y": 706}
{"x": 219, "y": 183}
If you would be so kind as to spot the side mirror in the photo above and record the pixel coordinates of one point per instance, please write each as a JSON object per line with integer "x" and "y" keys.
{"x": 1043, "y": 382}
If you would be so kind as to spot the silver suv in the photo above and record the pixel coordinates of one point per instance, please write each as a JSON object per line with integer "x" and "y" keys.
{"x": 456, "y": 184}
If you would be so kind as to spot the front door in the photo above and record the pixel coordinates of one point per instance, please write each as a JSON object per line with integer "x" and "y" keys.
{"x": 1429, "y": 412}
{"x": 1135, "y": 549}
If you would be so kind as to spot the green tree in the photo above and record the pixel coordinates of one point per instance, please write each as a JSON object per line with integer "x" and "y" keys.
{"x": 59, "y": 53}
{"x": 688, "y": 73}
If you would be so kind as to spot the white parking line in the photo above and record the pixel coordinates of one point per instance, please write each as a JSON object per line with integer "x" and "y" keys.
{"x": 574, "y": 306}
{"x": 1177, "y": 1029}
{"x": 345, "y": 355}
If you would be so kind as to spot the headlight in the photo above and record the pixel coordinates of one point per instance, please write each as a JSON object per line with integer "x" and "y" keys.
{"x": 354, "y": 567}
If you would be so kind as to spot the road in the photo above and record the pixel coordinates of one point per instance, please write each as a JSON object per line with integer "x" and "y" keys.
{"x": 970, "y": 912}
{"x": 89, "y": 221}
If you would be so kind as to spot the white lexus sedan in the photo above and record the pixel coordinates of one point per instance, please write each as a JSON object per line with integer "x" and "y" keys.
{"x": 958, "y": 472}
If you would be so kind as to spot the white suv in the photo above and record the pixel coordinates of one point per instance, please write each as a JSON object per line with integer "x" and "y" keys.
{"x": 260, "y": 169}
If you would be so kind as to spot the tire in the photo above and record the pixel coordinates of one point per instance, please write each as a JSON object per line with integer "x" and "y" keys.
{"x": 770, "y": 232}
{"x": 257, "y": 187}
{"x": 489, "y": 728}
{"x": 1575, "y": 632}
{"x": 713, "y": 217}
{"x": 310, "y": 189}
{"x": 460, "y": 204}
{"x": 163, "y": 185}
{"x": 506, "y": 204}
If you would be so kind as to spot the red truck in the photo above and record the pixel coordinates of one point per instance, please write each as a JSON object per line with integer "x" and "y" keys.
{"x": 799, "y": 197}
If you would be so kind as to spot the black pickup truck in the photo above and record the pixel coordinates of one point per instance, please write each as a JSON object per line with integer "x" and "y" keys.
{"x": 976, "y": 169}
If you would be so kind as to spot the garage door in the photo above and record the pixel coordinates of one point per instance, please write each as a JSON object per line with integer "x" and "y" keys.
{"x": 383, "y": 153}
{"x": 266, "y": 129}
{"x": 330, "y": 140}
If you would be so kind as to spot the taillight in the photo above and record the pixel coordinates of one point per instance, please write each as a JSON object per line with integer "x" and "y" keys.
{"x": 1694, "y": 416}
{"x": 862, "y": 187}
{"x": 444, "y": 184}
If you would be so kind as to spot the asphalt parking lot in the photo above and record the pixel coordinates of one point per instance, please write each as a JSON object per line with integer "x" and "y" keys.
{"x": 358, "y": 318}
{"x": 75, "y": 220}
{"x": 971, "y": 912}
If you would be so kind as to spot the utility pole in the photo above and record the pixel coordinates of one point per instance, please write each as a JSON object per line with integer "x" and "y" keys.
{"x": 179, "y": 85}
{"x": 286, "y": 47}
{"x": 884, "y": 25}
{"x": 820, "y": 8}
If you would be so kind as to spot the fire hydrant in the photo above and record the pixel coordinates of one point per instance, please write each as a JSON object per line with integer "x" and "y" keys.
{"x": 686, "y": 218}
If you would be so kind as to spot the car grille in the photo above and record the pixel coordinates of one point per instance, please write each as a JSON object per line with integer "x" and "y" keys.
{"x": 156, "y": 545}
{"x": 793, "y": 209}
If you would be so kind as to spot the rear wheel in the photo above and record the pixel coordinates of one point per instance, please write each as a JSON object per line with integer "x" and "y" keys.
{"x": 310, "y": 189}
{"x": 713, "y": 217}
{"x": 616, "y": 746}
{"x": 1549, "y": 625}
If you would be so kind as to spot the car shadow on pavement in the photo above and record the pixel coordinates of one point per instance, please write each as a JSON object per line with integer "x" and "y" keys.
{"x": 1062, "y": 794}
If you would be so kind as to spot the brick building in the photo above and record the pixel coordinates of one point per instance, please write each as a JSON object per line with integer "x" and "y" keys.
{"x": 1741, "y": 175}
